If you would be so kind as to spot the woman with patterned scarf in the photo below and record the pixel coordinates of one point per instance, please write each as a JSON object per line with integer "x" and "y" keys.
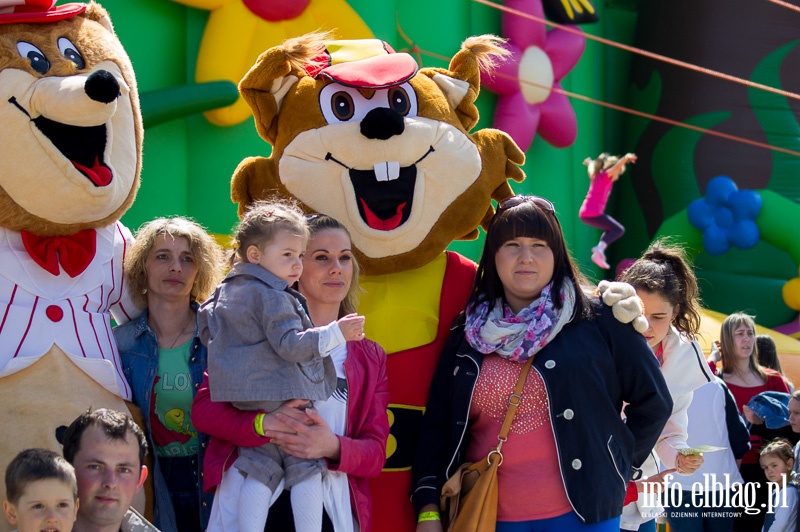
{"x": 568, "y": 456}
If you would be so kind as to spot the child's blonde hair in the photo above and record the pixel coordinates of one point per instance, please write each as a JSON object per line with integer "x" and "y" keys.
{"x": 603, "y": 162}
{"x": 263, "y": 221}
{"x": 779, "y": 448}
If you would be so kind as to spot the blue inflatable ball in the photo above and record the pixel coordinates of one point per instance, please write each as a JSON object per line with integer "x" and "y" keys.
{"x": 715, "y": 240}
{"x": 700, "y": 214}
{"x": 745, "y": 204}
{"x": 744, "y": 234}
{"x": 723, "y": 217}
{"x": 719, "y": 189}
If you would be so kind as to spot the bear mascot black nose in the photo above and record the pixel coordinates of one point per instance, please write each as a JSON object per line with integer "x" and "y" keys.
{"x": 102, "y": 87}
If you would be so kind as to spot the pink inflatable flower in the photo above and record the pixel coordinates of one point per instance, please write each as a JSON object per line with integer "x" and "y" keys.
{"x": 542, "y": 58}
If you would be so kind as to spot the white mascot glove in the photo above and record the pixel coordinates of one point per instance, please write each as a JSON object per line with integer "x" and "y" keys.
{"x": 624, "y": 303}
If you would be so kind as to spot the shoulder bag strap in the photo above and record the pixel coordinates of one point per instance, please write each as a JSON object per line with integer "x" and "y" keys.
{"x": 513, "y": 402}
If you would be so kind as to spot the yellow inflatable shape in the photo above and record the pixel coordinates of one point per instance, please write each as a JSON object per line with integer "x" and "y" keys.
{"x": 791, "y": 293}
{"x": 234, "y": 37}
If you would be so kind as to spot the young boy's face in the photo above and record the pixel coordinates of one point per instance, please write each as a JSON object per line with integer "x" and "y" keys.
{"x": 45, "y": 505}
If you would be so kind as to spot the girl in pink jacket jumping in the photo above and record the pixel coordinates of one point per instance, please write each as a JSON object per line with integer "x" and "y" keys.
{"x": 603, "y": 172}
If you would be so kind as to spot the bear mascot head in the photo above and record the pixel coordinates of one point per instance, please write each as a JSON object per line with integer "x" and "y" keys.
{"x": 360, "y": 133}
{"x": 70, "y": 156}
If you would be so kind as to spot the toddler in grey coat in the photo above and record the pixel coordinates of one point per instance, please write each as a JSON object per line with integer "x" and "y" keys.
{"x": 263, "y": 350}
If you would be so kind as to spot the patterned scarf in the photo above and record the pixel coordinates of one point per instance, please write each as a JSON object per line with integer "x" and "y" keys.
{"x": 519, "y": 337}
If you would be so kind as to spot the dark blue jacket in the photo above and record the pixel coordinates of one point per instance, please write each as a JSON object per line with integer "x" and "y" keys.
{"x": 589, "y": 369}
{"x": 138, "y": 350}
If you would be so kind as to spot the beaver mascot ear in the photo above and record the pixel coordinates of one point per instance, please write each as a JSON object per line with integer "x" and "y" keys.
{"x": 360, "y": 134}
{"x": 70, "y": 156}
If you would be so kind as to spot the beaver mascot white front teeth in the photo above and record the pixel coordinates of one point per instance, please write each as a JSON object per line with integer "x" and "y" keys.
{"x": 70, "y": 156}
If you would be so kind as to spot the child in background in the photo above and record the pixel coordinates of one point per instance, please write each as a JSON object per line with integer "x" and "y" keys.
{"x": 777, "y": 460}
{"x": 263, "y": 350}
{"x": 41, "y": 492}
{"x": 665, "y": 282}
{"x": 603, "y": 172}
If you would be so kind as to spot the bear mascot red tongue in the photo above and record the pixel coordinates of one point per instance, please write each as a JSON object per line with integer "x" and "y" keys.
{"x": 70, "y": 156}
{"x": 363, "y": 135}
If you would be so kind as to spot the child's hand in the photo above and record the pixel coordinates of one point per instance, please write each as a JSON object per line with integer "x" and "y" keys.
{"x": 751, "y": 416}
{"x": 630, "y": 157}
{"x": 352, "y": 327}
{"x": 716, "y": 351}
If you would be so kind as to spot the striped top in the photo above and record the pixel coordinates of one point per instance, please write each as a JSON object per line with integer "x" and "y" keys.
{"x": 38, "y": 309}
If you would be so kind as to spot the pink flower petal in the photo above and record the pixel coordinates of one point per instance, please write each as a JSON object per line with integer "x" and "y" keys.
{"x": 520, "y": 120}
{"x": 557, "y": 125}
{"x": 565, "y": 50}
{"x": 505, "y": 78}
{"x": 523, "y": 31}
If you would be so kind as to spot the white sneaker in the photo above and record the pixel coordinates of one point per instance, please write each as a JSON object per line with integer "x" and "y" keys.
{"x": 599, "y": 258}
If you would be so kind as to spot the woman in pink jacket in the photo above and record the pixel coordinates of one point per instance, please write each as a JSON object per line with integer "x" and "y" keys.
{"x": 349, "y": 430}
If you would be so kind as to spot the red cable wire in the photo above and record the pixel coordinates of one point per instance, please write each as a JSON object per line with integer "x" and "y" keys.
{"x": 645, "y": 53}
{"x": 620, "y": 108}
{"x": 785, "y": 4}
{"x": 633, "y": 111}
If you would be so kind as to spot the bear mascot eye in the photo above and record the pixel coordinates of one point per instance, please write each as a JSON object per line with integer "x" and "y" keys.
{"x": 70, "y": 51}
{"x": 35, "y": 56}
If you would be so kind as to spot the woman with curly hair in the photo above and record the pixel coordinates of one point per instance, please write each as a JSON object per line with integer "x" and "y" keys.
{"x": 172, "y": 267}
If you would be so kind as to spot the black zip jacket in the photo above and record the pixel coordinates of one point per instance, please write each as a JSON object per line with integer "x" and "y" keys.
{"x": 589, "y": 369}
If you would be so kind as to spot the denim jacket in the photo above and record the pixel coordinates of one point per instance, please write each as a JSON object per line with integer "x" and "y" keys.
{"x": 138, "y": 349}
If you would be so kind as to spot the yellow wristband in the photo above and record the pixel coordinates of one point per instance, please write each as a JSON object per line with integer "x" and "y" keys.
{"x": 429, "y": 516}
{"x": 258, "y": 424}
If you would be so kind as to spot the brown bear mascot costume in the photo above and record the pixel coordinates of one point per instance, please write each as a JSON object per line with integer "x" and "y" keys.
{"x": 70, "y": 156}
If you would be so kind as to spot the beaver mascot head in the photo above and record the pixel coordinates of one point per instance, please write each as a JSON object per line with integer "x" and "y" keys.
{"x": 363, "y": 135}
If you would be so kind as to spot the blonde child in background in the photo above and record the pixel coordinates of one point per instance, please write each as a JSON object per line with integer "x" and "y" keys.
{"x": 263, "y": 350}
{"x": 777, "y": 460}
{"x": 603, "y": 172}
{"x": 41, "y": 492}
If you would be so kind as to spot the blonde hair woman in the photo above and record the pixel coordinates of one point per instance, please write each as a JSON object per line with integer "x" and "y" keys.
{"x": 173, "y": 265}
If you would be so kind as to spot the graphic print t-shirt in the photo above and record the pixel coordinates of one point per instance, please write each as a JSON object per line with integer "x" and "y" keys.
{"x": 171, "y": 404}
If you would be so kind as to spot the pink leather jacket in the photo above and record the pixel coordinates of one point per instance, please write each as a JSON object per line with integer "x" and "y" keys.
{"x": 363, "y": 448}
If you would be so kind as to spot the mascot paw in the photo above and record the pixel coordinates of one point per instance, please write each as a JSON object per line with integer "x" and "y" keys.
{"x": 624, "y": 303}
